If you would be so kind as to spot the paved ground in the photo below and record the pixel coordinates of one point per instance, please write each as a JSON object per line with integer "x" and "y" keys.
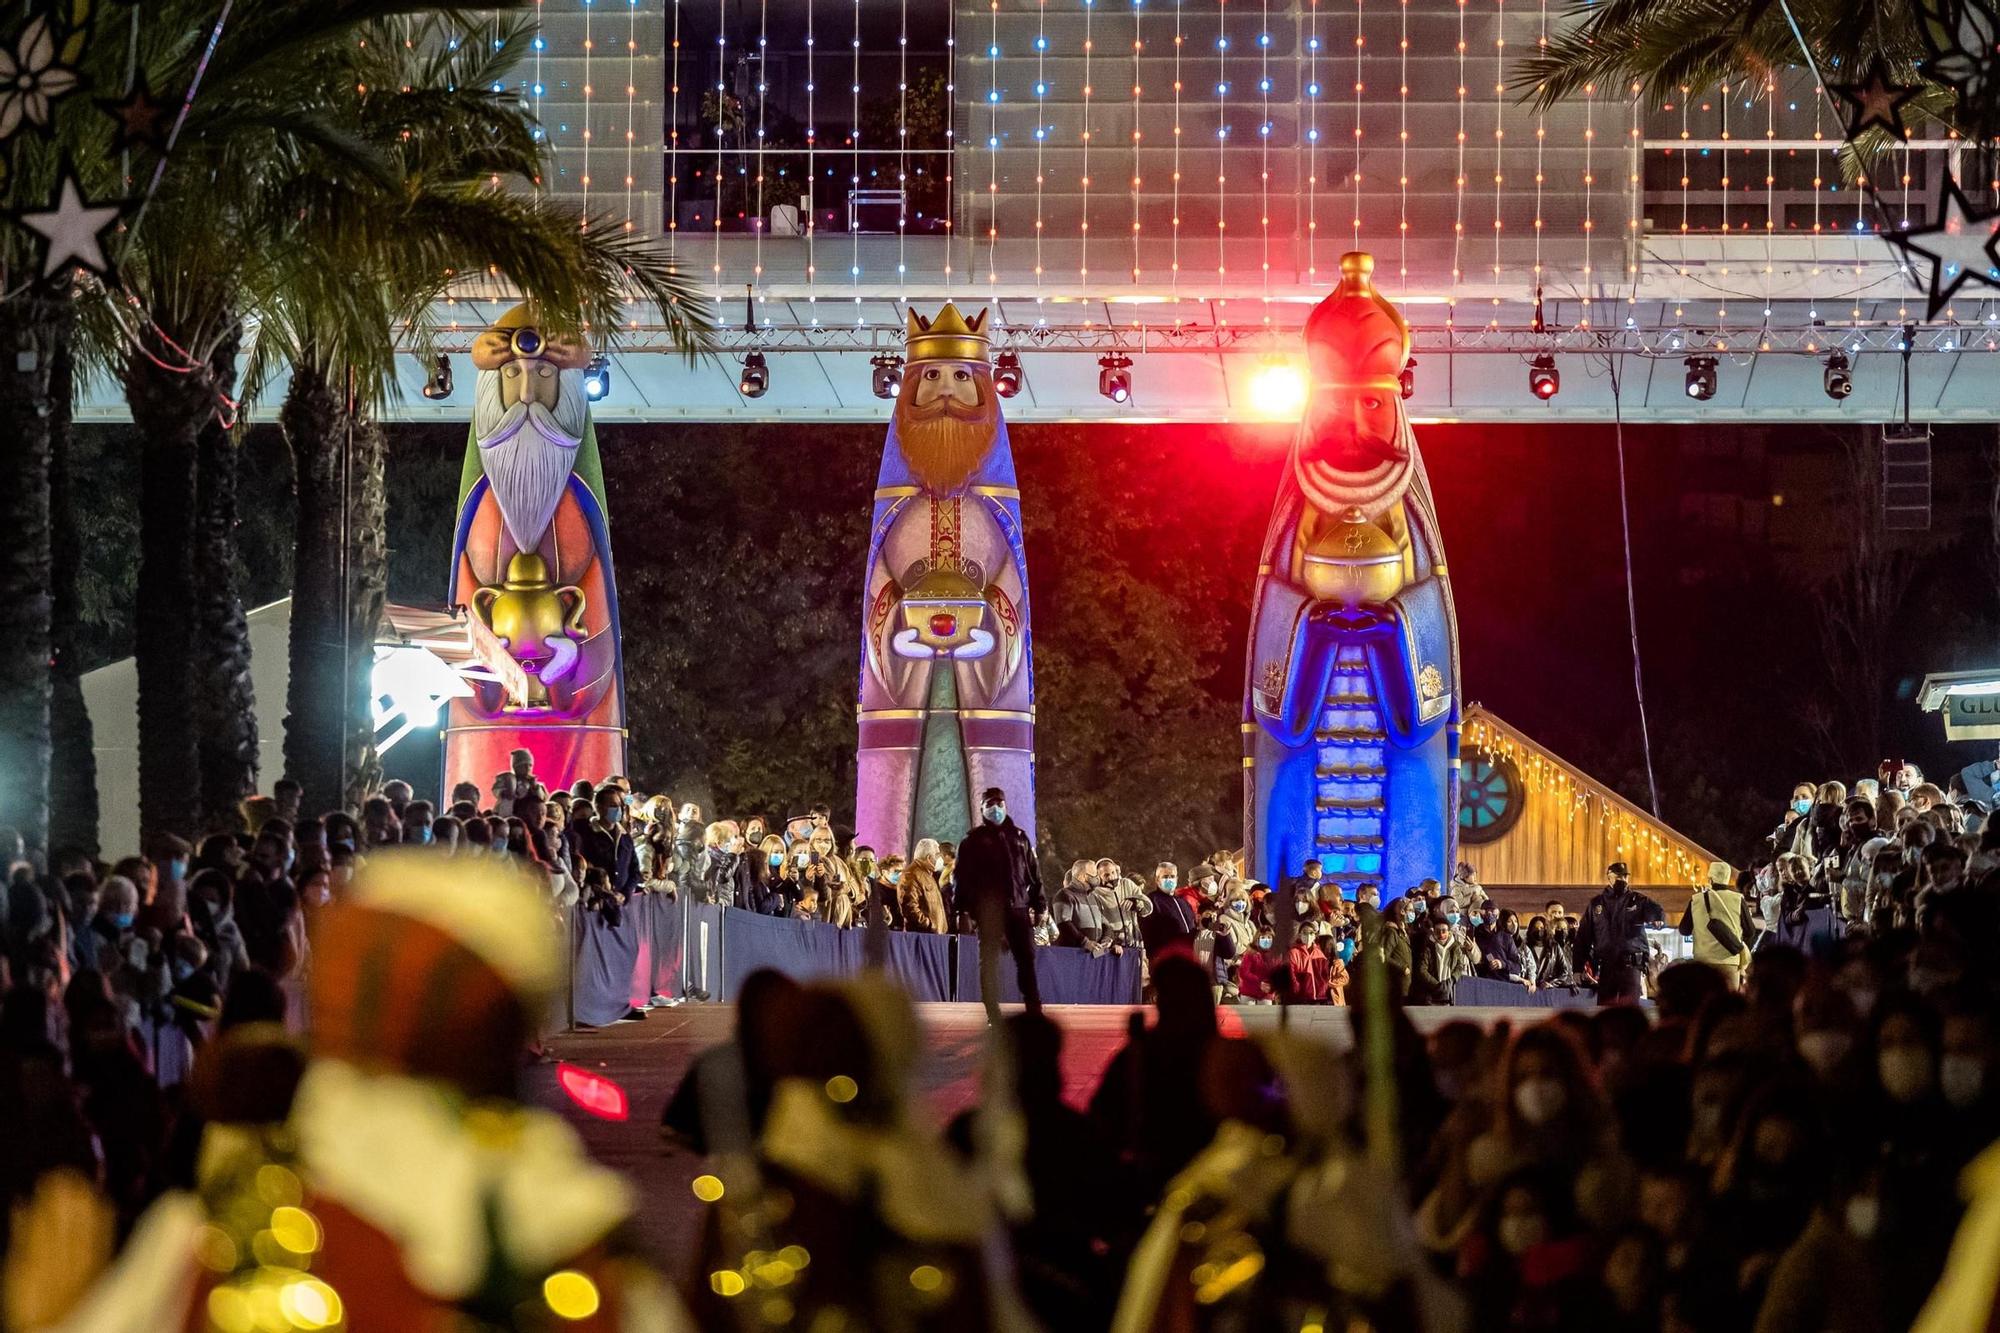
{"x": 648, "y": 1059}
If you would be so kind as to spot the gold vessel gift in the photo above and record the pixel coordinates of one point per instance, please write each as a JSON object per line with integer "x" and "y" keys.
{"x": 1350, "y": 561}
{"x": 541, "y": 624}
{"x": 944, "y": 606}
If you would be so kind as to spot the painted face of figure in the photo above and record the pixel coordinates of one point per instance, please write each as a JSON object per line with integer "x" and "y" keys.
{"x": 947, "y": 419}
{"x": 529, "y": 416}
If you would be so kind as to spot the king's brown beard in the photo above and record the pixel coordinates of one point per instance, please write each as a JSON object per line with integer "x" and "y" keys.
{"x": 944, "y": 442}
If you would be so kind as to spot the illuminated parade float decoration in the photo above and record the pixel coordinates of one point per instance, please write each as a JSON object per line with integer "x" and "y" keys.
{"x": 947, "y": 706}
{"x": 1352, "y": 702}
{"x": 531, "y": 563}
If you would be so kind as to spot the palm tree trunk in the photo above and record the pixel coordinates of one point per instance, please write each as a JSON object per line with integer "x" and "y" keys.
{"x": 169, "y": 409}
{"x": 225, "y": 700}
{"x": 31, "y": 329}
{"x": 73, "y": 811}
{"x": 338, "y": 581}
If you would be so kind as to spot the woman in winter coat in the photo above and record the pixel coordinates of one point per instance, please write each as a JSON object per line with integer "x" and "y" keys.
{"x": 725, "y": 874}
{"x": 842, "y": 894}
{"x": 922, "y": 898}
{"x": 770, "y": 893}
{"x": 1234, "y": 918}
{"x": 688, "y": 859}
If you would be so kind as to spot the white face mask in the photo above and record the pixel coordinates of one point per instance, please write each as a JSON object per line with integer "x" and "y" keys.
{"x": 1824, "y": 1048}
{"x": 1905, "y": 1072}
{"x": 1962, "y": 1078}
{"x": 1864, "y": 1214}
{"x": 1540, "y": 1100}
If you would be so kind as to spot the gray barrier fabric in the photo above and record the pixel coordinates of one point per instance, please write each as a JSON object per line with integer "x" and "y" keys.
{"x": 670, "y": 947}
{"x": 1512, "y": 995}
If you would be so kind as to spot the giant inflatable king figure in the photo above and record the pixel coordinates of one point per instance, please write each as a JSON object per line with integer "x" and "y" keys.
{"x": 531, "y": 564}
{"x": 1351, "y": 709}
{"x": 947, "y": 681}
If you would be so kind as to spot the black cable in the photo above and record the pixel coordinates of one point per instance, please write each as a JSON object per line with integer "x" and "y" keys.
{"x": 1631, "y": 595}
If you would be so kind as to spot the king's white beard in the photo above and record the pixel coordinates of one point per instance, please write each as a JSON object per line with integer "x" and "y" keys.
{"x": 527, "y": 452}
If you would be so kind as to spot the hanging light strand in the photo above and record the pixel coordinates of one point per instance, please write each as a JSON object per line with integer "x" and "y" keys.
{"x": 1403, "y": 143}
{"x": 1089, "y": 90}
{"x": 674, "y": 127}
{"x": 1138, "y": 134}
{"x": 1041, "y": 128}
{"x": 902, "y": 143}
{"x": 1264, "y": 150}
{"x": 589, "y": 94}
{"x": 1458, "y": 181}
{"x": 1174, "y": 217}
{"x": 761, "y": 221}
{"x": 993, "y": 146}
{"x": 1222, "y": 140}
{"x": 811, "y": 197}
{"x": 1312, "y": 44}
{"x": 854, "y": 161}
{"x": 631, "y": 109}
{"x": 722, "y": 100}
{"x": 1541, "y": 137}
{"x": 1360, "y": 50}
{"x": 1499, "y": 140}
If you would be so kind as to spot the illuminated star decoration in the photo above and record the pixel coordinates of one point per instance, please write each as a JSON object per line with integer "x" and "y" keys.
{"x": 1875, "y": 101}
{"x": 1961, "y": 36}
{"x": 72, "y": 229}
{"x": 142, "y": 119}
{"x": 1959, "y": 246}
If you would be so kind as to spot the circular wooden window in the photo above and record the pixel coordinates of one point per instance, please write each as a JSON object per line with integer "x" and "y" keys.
{"x": 1490, "y": 798}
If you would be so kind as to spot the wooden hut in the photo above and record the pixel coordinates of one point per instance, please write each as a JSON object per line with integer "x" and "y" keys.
{"x": 1529, "y": 820}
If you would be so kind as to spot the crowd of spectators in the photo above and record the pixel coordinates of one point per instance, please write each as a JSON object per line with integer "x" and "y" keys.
{"x": 1784, "y": 1140}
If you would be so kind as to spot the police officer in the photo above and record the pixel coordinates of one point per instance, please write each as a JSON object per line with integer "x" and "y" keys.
{"x": 1001, "y": 884}
{"x": 1611, "y": 938}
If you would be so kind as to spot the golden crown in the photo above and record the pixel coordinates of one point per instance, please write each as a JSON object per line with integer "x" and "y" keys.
{"x": 947, "y": 338}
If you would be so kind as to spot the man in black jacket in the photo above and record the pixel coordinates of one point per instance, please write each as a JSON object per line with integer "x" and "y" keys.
{"x": 604, "y": 844}
{"x": 1612, "y": 937}
{"x": 998, "y": 880}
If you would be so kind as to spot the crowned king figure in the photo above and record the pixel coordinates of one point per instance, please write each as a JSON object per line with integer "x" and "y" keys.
{"x": 947, "y": 703}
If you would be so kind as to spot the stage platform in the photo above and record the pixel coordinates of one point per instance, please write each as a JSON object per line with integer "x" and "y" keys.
{"x": 649, "y": 1058}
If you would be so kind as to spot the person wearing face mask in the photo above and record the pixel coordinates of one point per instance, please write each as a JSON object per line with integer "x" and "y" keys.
{"x": 1172, "y": 923}
{"x": 1080, "y": 923}
{"x": 1256, "y": 972}
{"x": 1000, "y": 882}
{"x": 767, "y": 888}
{"x": 921, "y": 895}
{"x": 1611, "y": 940}
{"x": 1527, "y": 1264}
{"x": 1385, "y": 942}
{"x": 1496, "y": 946}
{"x": 605, "y": 844}
{"x": 1435, "y": 980}
{"x": 1801, "y": 804}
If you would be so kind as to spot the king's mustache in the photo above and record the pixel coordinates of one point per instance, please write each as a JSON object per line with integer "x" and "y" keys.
{"x": 521, "y": 414}
{"x": 948, "y": 407}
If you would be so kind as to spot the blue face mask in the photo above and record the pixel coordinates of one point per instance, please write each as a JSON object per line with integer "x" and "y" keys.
{"x": 1347, "y": 951}
{"x": 425, "y": 836}
{"x": 1239, "y": 906}
{"x": 1263, "y": 941}
{"x": 615, "y": 815}
{"x": 995, "y": 813}
{"x": 777, "y": 858}
{"x": 177, "y": 868}
{"x": 1418, "y": 906}
{"x": 1803, "y": 805}
{"x": 1170, "y": 884}
{"x": 122, "y": 920}
{"x": 1451, "y": 918}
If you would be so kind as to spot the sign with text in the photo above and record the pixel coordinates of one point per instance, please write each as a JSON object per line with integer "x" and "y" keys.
{"x": 1972, "y": 717}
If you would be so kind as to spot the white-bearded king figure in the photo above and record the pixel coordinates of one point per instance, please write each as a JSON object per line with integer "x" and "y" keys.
{"x": 531, "y": 561}
{"x": 947, "y": 704}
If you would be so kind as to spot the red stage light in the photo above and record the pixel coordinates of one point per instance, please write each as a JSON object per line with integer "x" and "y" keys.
{"x": 593, "y": 1092}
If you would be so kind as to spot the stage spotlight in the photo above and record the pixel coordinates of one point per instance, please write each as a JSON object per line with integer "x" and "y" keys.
{"x": 1839, "y": 380}
{"x": 1701, "y": 378}
{"x": 887, "y": 376}
{"x": 1114, "y": 377}
{"x": 1544, "y": 380}
{"x": 1007, "y": 375}
{"x": 439, "y": 384}
{"x": 1406, "y": 378}
{"x": 597, "y": 378}
{"x": 756, "y": 376}
{"x": 1278, "y": 390}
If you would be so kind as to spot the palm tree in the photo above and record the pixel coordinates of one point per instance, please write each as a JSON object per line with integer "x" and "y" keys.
{"x": 370, "y": 259}
{"x": 1666, "y": 45}
{"x": 263, "y": 114}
